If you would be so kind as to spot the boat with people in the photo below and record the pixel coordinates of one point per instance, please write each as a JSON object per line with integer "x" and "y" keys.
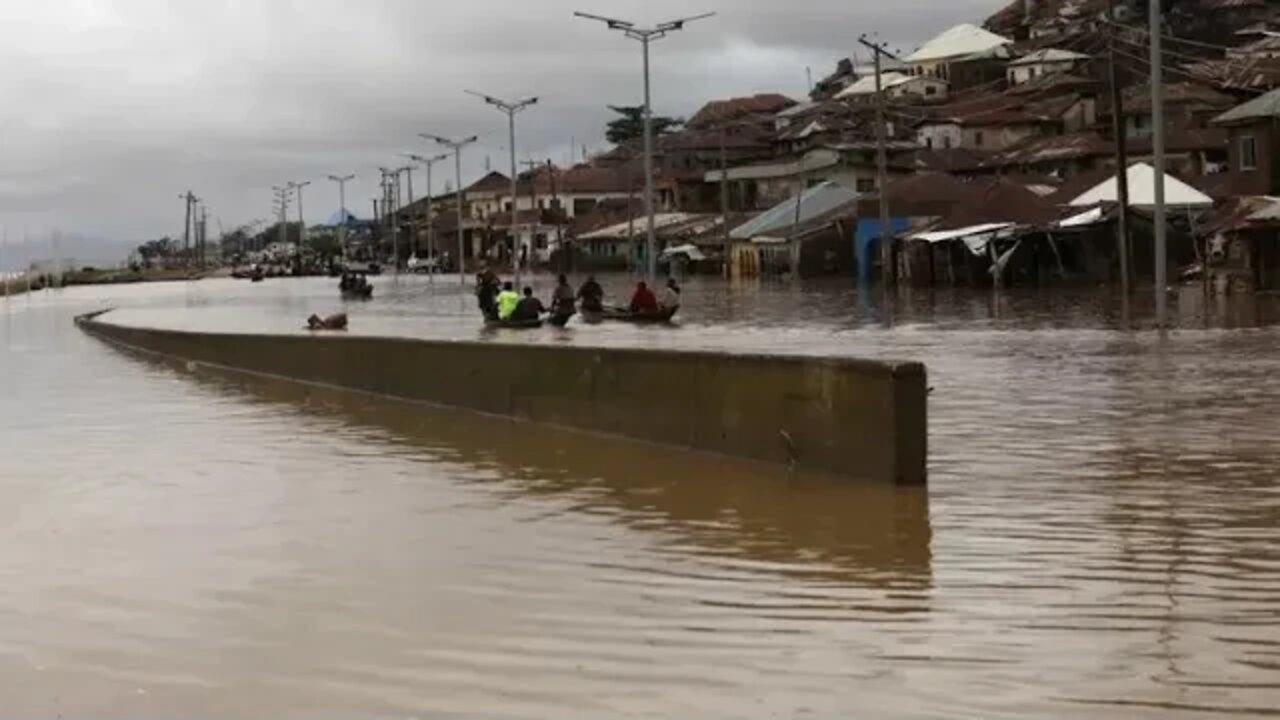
{"x": 354, "y": 286}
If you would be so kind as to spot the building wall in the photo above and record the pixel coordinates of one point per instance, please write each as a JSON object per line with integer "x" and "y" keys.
{"x": 1019, "y": 74}
{"x": 1264, "y": 179}
{"x": 940, "y": 137}
{"x": 996, "y": 137}
{"x": 847, "y": 417}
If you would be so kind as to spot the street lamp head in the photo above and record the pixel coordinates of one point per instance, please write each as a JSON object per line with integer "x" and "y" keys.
{"x": 612, "y": 23}
{"x": 679, "y": 23}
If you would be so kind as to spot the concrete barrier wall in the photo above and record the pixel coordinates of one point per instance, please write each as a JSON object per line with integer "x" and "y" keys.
{"x": 848, "y": 417}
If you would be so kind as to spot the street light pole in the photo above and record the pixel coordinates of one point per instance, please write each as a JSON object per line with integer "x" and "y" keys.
{"x": 342, "y": 211}
{"x": 511, "y": 109}
{"x": 646, "y": 36}
{"x": 456, "y": 146}
{"x": 432, "y": 250}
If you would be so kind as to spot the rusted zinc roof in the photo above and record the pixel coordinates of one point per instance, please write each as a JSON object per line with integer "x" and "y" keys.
{"x": 720, "y": 111}
{"x": 1262, "y": 107}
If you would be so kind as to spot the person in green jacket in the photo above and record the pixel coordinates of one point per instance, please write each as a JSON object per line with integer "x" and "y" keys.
{"x": 508, "y": 299}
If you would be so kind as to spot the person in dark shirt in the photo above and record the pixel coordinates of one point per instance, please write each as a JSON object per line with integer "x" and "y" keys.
{"x": 529, "y": 307}
{"x": 644, "y": 301}
{"x": 562, "y": 299}
{"x": 591, "y": 295}
{"x": 487, "y": 293}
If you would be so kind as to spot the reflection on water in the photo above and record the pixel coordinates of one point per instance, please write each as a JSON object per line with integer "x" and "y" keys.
{"x": 1099, "y": 539}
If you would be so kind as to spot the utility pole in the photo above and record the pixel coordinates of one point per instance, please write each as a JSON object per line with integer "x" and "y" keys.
{"x": 204, "y": 235}
{"x": 1157, "y": 152}
{"x": 724, "y": 191}
{"x": 188, "y": 199}
{"x": 413, "y": 225}
{"x": 432, "y": 249}
{"x": 511, "y": 109}
{"x": 882, "y": 169}
{"x": 646, "y": 36}
{"x": 282, "y": 199}
{"x": 1122, "y": 155}
{"x": 559, "y": 213}
{"x": 534, "y": 166}
{"x": 342, "y": 181}
{"x": 388, "y": 221}
{"x": 456, "y": 146}
{"x": 302, "y": 227}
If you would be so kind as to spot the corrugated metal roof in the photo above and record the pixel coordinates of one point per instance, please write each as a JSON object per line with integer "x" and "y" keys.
{"x": 1142, "y": 179}
{"x": 1264, "y": 106}
{"x": 814, "y": 202}
{"x": 1049, "y": 55}
{"x": 959, "y": 41}
{"x": 867, "y": 85}
{"x": 640, "y": 225}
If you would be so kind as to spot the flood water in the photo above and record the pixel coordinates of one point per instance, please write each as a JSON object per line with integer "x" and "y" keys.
{"x": 1100, "y": 539}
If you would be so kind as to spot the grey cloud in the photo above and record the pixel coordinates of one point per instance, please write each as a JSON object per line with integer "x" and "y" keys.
{"x": 112, "y": 108}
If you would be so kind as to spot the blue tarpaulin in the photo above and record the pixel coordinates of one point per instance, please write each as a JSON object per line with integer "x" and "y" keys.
{"x": 867, "y": 237}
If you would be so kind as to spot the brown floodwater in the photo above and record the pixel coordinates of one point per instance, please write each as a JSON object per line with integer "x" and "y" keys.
{"x": 1100, "y": 539}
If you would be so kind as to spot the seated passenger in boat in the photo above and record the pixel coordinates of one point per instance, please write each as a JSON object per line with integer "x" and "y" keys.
{"x": 644, "y": 301}
{"x": 591, "y": 295}
{"x": 507, "y": 301}
{"x": 487, "y": 289}
{"x": 669, "y": 298}
{"x": 563, "y": 298}
{"x": 333, "y": 322}
{"x": 529, "y": 307}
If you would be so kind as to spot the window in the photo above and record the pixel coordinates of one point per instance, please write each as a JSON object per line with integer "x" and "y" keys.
{"x": 930, "y": 90}
{"x": 928, "y": 142}
{"x": 866, "y": 185}
{"x": 1248, "y": 153}
{"x": 946, "y": 141}
{"x": 506, "y": 207}
{"x": 977, "y": 138}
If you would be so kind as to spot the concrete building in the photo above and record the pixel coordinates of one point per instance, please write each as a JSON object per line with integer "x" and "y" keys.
{"x": 1254, "y": 144}
{"x": 1043, "y": 62}
{"x": 961, "y": 42}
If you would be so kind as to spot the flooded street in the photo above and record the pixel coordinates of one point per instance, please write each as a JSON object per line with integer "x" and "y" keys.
{"x": 1100, "y": 539}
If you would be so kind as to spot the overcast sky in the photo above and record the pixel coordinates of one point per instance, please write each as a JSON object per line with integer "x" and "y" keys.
{"x": 110, "y": 108}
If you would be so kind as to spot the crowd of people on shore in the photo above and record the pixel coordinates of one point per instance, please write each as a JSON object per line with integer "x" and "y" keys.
{"x": 500, "y": 301}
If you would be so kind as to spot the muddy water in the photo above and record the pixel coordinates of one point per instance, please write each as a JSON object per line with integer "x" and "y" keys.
{"x": 1101, "y": 538}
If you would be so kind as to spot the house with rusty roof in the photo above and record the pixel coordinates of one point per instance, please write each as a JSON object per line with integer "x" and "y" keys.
{"x": 1043, "y": 62}
{"x": 999, "y": 121}
{"x": 762, "y": 106}
{"x": 1186, "y": 105}
{"x": 1253, "y": 143}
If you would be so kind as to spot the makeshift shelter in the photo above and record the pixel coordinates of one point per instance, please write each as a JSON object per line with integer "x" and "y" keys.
{"x": 1142, "y": 193}
{"x": 804, "y": 234}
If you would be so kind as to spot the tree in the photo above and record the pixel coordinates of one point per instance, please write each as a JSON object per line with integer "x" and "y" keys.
{"x": 630, "y": 126}
{"x": 157, "y": 250}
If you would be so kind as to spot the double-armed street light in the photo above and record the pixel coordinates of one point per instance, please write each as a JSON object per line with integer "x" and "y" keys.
{"x": 646, "y": 36}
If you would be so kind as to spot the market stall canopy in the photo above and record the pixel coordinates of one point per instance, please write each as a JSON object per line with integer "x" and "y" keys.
{"x": 1142, "y": 193}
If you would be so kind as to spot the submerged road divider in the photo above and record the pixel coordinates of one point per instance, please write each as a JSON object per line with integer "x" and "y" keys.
{"x": 849, "y": 417}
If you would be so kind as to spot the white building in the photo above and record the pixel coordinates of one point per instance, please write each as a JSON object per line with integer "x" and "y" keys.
{"x": 961, "y": 42}
{"x": 1043, "y": 62}
{"x": 897, "y": 85}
